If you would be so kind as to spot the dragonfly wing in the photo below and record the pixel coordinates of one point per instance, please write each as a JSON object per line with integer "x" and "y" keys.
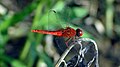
{"x": 66, "y": 15}
{"x": 54, "y": 22}
{"x": 61, "y": 18}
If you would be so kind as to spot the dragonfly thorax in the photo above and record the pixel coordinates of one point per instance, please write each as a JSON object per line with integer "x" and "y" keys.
{"x": 79, "y": 32}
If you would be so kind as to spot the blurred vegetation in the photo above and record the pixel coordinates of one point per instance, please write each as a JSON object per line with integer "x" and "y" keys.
{"x": 19, "y": 47}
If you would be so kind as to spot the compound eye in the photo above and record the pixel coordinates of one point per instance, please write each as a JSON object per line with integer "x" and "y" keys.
{"x": 79, "y": 32}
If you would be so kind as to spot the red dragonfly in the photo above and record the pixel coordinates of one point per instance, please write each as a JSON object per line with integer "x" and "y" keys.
{"x": 67, "y": 32}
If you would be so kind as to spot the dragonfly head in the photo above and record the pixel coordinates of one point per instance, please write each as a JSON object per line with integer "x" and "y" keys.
{"x": 79, "y": 32}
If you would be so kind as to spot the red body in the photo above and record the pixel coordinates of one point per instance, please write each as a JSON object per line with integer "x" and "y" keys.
{"x": 68, "y": 32}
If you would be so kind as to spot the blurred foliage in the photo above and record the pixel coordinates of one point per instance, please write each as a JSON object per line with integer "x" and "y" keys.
{"x": 19, "y": 47}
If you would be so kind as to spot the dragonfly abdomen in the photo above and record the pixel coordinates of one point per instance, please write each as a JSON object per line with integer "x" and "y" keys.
{"x": 56, "y": 33}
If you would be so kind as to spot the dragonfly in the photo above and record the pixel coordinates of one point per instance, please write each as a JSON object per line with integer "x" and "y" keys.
{"x": 67, "y": 32}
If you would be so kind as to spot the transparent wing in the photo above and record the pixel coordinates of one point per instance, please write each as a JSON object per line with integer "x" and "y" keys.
{"x": 54, "y": 21}
{"x": 49, "y": 21}
{"x": 66, "y": 15}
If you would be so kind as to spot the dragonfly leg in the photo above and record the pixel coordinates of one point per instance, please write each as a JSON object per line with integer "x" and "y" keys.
{"x": 73, "y": 39}
{"x": 66, "y": 42}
